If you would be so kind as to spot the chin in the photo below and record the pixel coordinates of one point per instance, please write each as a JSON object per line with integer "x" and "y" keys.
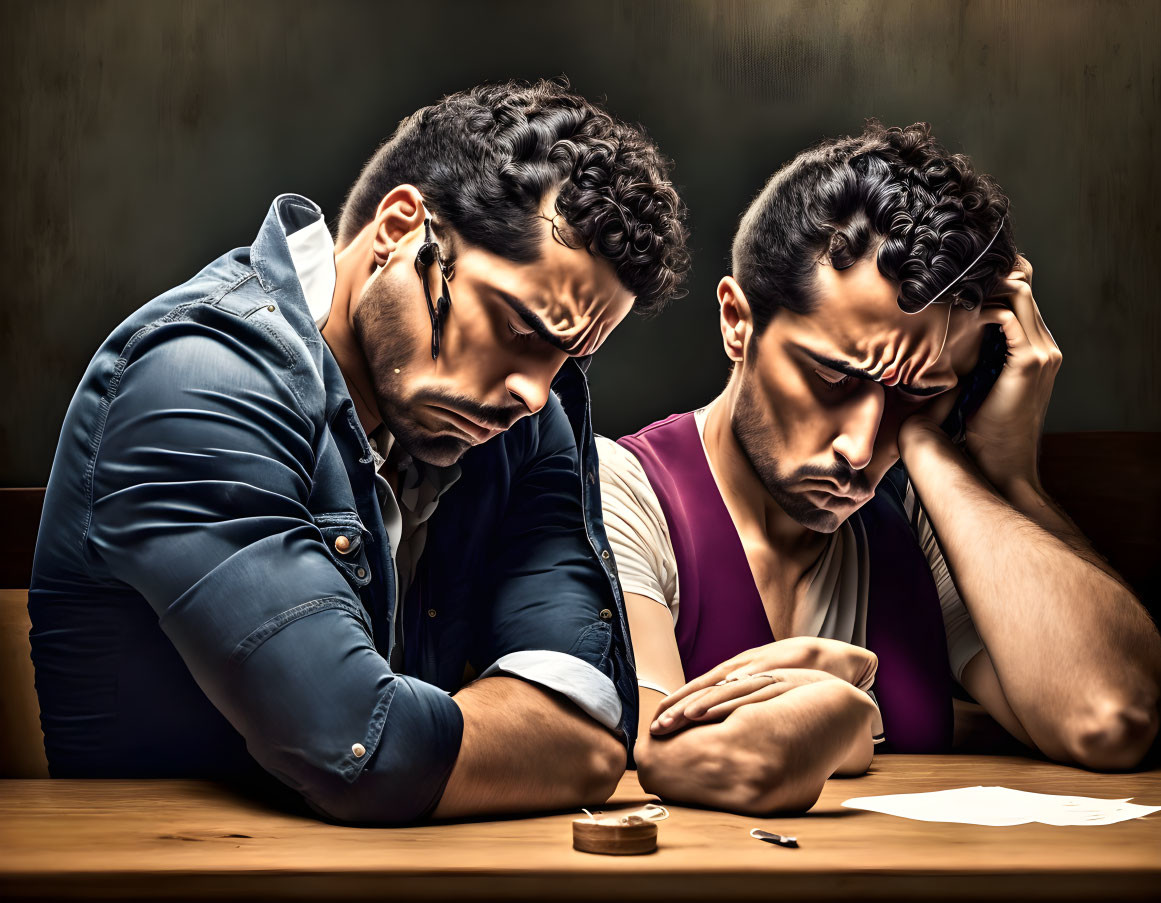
{"x": 825, "y": 520}
{"x": 439, "y": 451}
{"x": 820, "y": 520}
{"x": 436, "y": 449}
{"x": 810, "y": 515}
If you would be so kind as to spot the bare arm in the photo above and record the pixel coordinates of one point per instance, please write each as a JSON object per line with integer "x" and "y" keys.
{"x": 1069, "y": 649}
{"x": 777, "y": 759}
{"x": 526, "y": 749}
{"x": 767, "y": 756}
{"x": 1072, "y": 661}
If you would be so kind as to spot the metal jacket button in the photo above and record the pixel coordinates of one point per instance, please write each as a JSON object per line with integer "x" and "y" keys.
{"x": 606, "y": 614}
{"x": 342, "y": 544}
{"x": 359, "y": 750}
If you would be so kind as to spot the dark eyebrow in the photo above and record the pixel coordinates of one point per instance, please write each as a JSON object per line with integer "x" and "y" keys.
{"x": 846, "y": 369}
{"x": 534, "y": 322}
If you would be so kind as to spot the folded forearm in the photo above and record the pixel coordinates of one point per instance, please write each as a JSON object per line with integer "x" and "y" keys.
{"x": 527, "y": 749}
{"x": 766, "y": 756}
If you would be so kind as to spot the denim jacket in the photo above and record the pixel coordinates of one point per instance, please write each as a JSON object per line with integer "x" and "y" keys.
{"x": 193, "y": 609}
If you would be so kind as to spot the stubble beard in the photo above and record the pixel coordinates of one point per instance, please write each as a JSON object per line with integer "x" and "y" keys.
{"x": 388, "y": 342}
{"x": 758, "y": 443}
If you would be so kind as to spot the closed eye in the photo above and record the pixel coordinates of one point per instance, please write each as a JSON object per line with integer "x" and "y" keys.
{"x": 521, "y": 336}
{"x": 921, "y": 394}
{"x": 833, "y": 380}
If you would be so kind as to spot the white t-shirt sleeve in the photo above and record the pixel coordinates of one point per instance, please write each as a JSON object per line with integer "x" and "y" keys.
{"x": 635, "y": 525}
{"x": 963, "y": 641}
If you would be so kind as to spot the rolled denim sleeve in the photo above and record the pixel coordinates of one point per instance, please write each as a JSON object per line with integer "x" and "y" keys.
{"x": 553, "y": 618}
{"x": 199, "y": 482}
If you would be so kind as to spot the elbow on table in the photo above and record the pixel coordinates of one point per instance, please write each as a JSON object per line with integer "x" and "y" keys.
{"x": 381, "y": 797}
{"x": 352, "y": 805}
{"x": 1114, "y": 736}
{"x": 605, "y": 765}
{"x": 388, "y": 799}
{"x": 772, "y": 786}
{"x": 726, "y": 777}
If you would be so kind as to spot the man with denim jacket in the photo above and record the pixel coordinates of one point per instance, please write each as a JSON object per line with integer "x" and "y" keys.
{"x": 301, "y": 499}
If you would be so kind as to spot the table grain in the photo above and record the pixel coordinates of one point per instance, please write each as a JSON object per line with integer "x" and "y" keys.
{"x": 185, "y": 839}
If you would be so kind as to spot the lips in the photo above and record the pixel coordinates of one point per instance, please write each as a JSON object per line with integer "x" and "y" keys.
{"x": 847, "y": 497}
{"x": 853, "y": 499}
{"x": 477, "y": 432}
{"x": 841, "y": 492}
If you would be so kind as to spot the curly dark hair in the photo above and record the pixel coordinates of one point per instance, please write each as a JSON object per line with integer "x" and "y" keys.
{"x": 485, "y": 158}
{"x": 928, "y": 211}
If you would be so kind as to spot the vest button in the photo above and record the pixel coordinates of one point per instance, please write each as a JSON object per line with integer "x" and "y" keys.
{"x": 606, "y": 614}
{"x": 431, "y": 612}
{"x": 342, "y": 544}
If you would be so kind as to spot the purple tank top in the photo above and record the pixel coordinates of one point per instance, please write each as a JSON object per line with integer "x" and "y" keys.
{"x": 721, "y": 610}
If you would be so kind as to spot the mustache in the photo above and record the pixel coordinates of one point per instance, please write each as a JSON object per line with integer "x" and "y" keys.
{"x": 852, "y": 482}
{"x": 490, "y": 416}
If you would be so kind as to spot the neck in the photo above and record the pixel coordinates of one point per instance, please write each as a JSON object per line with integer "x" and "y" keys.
{"x": 750, "y": 505}
{"x": 351, "y": 273}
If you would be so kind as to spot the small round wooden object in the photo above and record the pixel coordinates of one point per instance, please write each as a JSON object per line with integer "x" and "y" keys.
{"x": 637, "y": 836}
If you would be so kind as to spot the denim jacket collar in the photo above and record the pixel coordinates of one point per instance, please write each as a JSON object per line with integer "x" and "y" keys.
{"x": 270, "y": 257}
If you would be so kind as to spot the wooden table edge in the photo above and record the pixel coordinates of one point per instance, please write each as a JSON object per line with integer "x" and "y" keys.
{"x": 597, "y": 882}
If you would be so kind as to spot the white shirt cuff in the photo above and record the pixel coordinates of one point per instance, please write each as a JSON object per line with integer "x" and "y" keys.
{"x": 568, "y": 675}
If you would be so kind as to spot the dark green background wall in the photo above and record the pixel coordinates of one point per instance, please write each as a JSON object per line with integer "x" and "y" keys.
{"x": 141, "y": 139}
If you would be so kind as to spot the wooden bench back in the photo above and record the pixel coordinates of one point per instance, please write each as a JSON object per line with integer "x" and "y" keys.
{"x": 21, "y": 742}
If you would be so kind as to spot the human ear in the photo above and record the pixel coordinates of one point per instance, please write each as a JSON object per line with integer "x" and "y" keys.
{"x": 399, "y": 212}
{"x": 734, "y": 317}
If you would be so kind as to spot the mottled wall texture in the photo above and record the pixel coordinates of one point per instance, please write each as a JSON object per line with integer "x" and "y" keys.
{"x": 140, "y": 139}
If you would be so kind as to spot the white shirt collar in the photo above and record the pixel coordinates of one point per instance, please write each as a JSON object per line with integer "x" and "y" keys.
{"x": 313, "y": 252}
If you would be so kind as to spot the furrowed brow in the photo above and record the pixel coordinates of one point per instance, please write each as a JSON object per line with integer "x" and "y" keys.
{"x": 848, "y": 370}
{"x": 533, "y": 322}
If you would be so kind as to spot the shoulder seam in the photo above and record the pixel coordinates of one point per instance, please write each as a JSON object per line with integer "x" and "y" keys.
{"x": 654, "y": 426}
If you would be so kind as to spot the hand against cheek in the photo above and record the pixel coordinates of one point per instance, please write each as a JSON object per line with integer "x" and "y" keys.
{"x": 928, "y": 418}
{"x": 1003, "y": 435}
{"x": 762, "y": 673}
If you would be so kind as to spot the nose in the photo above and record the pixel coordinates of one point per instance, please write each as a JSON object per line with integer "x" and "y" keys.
{"x": 529, "y": 389}
{"x": 861, "y": 418}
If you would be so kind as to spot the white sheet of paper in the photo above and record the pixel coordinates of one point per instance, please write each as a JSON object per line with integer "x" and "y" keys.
{"x": 1002, "y": 806}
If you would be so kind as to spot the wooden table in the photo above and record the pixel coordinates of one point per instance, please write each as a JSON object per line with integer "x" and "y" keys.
{"x": 195, "y": 839}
